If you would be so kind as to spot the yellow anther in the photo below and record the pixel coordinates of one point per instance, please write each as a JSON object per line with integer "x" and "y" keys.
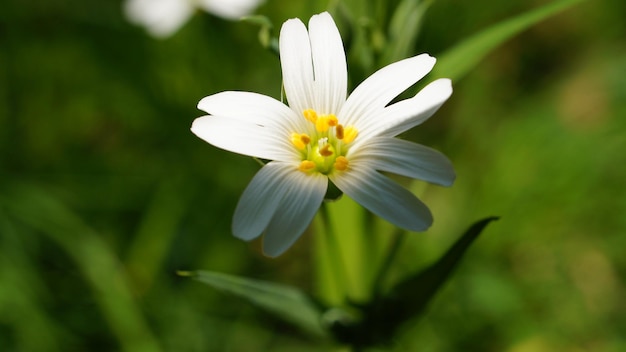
{"x": 324, "y": 122}
{"x": 339, "y": 131}
{"x": 296, "y": 140}
{"x": 321, "y": 125}
{"x": 323, "y": 154}
{"x": 310, "y": 115}
{"x": 325, "y": 151}
{"x": 306, "y": 166}
{"x": 341, "y": 163}
{"x": 349, "y": 134}
{"x": 332, "y": 120}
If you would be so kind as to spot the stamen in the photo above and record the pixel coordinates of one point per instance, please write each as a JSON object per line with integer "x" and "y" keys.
{"x": 321, "y": 125}
{"x": 324, "y": 122}
{"x": 339, "y": 131}
{"x": 341, "y": 163}
{"x": 298, "y": 140}
{"x": 332, "y": 120}
{"x": 306, "y": 166}
{"x": 349, "y": 134}
{"x": 310, "y": 115}
{"x": 325, "y": 151}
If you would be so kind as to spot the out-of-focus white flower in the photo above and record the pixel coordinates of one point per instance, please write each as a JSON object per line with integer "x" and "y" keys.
{"x": 323, "y": 136}
{"x": 163, "y": 18}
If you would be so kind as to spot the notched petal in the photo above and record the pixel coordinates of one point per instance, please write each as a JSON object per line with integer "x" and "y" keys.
{"x": 251, "y": 107}
{"x": 372, "y": 95}
{"x": 407, "y": 159}
{"x": 406, "y": 114}
{"x": 329, "y": 64}
{"x": 246, "y": 138}
{"x": 260, "y": 200}
{"x": 384, "y": 197}
{"x": 295, "y": 212}
{"x": 297, "y": 64}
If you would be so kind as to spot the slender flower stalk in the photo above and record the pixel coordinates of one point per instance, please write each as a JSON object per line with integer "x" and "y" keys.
{"x": 322, "y": 136}
{"x": 162, "y": 18}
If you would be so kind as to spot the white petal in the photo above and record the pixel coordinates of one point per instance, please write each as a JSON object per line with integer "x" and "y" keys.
{"x": 254, "y": 108}
{"x": 329, "y": 64}
{"x": 368, "y": 99}
{"x": 259, "y": 201}
{"x": 229, "y": 9}
{"x": 305, "y": 193}
{"x": 407, "y": 159}
{"x": 161, "y": 18}
{"x": 245, "y": 138}
{"x": 297, "y": 65}
{"x": 406, "y": 114}
{"x": 383, "y": 197}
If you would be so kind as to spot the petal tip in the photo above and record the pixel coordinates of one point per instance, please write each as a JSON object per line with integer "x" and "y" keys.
{"x": 426, "y": 59}
{"x": 238, "y": 233}
{"x": 324, "y": 16}
{"x": 203, "y": 104}
{"x": 273, "y": 252}
{"x": 447, "y": 82}
{"x": 421, "y": 225}
{"x": 291, "y": 24}
{"x": 441, "y": 87}
{"x": 244, "y": 231}
{"x": 450, "y": 181}
{"x": 196, "y": 125}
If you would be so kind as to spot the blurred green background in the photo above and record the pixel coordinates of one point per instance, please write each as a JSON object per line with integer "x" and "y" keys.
{"x": 105, "y": 193}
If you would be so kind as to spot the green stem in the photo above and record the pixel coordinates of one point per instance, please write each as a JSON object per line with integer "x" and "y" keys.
{"x": 394, "y": 247}
{"x": 371, "y": 241}
{"x": 336, "y": 258}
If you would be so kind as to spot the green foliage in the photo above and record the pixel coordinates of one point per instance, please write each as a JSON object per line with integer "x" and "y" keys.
{"x": 105, "y": 194}
{"x": 32, "y": 207}
{"x": 404, "y": 29}
{"x": 459, "y": 60}
{"x": 382, "y": 317}
{"x": 287, "y": 302}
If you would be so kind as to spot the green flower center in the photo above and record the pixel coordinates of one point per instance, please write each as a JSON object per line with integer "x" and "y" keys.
{"x": 325, "y": 149}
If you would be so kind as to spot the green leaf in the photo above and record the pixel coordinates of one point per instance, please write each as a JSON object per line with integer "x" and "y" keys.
{"x": 152, "y": 241}
{"x": 34, "y": 208}
{"x": 407, "y": 299}
{"x": 24, "y": 296}
{"x": 459, "y": 60}
{"x": 404, "y": 29}
{"x": 289, "y": 303}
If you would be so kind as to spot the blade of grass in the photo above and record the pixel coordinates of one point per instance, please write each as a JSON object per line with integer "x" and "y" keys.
{"x": 284, "y": 301}
{"x": 460, "y": 59}
{"x": 156, "y": 231}
{"x": 23, "y": 294}
{"x": 100, "y": 267}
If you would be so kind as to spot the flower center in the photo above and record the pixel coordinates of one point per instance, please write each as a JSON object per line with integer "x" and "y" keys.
{"x": 325, "y": 147}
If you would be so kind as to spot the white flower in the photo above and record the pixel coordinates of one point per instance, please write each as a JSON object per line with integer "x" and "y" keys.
{"x": 323, "y": 136}
{"x": 164, "y": 17}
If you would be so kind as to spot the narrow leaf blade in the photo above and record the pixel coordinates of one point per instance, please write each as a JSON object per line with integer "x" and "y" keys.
{"x": 404, "y": 29}
{"x": 407, "y": 299}
{"x": 286, "y": 302}
{"x": 460, "y": 59}
{"x": 35, "y": 208}
{"x": 419, "y": 289}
